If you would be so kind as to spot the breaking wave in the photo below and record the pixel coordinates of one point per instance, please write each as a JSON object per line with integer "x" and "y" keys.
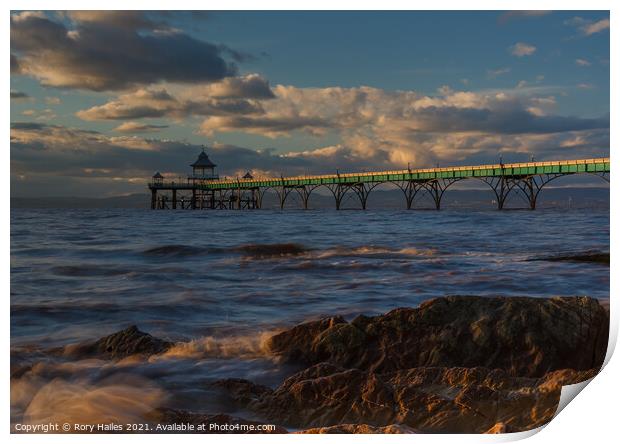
{"x": 122, "y": 398}
{"x": 240, "y": 347}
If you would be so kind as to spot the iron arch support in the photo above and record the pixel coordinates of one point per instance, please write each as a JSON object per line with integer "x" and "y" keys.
{"x": 410, "y": 189}
{"x": 531, "y": 186}
{"x": 501, "y": 186}
{"x": 437, "y": 187}
{"x": 362, "y": 190}
{"x": 304, "y": 192}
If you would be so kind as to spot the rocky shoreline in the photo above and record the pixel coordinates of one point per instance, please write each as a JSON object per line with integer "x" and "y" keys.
{"x": 456, "y": 364}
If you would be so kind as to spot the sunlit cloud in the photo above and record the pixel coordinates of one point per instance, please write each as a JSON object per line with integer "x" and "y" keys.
{"x": 522, "y": 49}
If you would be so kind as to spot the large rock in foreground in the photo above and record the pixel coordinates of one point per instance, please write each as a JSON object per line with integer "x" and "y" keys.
{"x": 523, "y": 336}
{"x": 428, "y": 400}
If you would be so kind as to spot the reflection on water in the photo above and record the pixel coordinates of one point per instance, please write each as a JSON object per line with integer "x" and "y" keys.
{"x": 220, "y": 282}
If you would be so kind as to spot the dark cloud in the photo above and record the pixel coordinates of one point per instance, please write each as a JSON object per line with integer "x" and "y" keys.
{"x": 500, "y": 121}
{"x": 14, "y": 64}
{"x": 111, "y": 50}
{"x": 135, "y": 127}
{"x": 266, "y": 125}
{"x": 149, "y": 103}
{"x": 16, "y": 95}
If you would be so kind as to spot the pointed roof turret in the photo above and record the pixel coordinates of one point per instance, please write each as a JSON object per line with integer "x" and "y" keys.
{"x": 203, "y": 161}
{"x": 157, "y": 175}
{"x": 248, "y": 176}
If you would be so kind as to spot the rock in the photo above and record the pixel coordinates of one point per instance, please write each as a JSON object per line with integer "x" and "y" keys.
{"x": 361, "y": 428}
{"x": 119, "y": 345}
{"x": 219, "y": 423}
{"x": 298, "y": 342}
{"x": 500, "y": 427}
{"x": 431, "y": 400}
{"x": 241, "y": 391}
{"x": 521, "y": 335}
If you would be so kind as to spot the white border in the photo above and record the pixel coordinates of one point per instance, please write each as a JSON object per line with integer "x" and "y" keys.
{"x": 592, "y": 418}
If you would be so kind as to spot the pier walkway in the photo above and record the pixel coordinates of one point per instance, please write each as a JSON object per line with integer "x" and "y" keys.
{"x": 527, "y": 178}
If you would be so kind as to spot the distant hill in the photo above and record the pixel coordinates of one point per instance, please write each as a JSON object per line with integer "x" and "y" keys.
{"x": 383, "y": 199}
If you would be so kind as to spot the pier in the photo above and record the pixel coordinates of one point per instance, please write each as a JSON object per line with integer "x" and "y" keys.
{"x": 205, "y": 190}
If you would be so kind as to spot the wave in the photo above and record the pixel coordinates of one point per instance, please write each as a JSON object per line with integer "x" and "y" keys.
{"x": 598, "y": 257}
{"x": 374, "y": 251}
{"x": 86, "y": 270}
{"x": 249, "y": 346}
{"x": 271, "y": 250}
{"x": 174, "y": 251}
{"x": 122, "y": 398}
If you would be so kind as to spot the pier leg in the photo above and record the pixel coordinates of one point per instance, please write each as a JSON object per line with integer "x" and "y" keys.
{"x": 174, "y": 199}
{"x": 409, "y": 188}
{"x": 193, "y": 199}
{"x": 437, "y": 187}
{"x": 338, "y": 191}
{"x": 531, "y": 186}
{"x": 362, "y": 190}
{"x": 153, "y": 199}
{"x": 304, "y": 192}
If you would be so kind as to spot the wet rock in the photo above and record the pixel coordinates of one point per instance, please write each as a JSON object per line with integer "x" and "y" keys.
{"x": 500, "y": 427}
{"x": 119, "y": 345}
{"x": 362, "y": 428}
{"x": 218, "y": 423}
{"x": 241, "y": 391}
{"x": 431, "y": 400}
{"x": 523, "y": 336}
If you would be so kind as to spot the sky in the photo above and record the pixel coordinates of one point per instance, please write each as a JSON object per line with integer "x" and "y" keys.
{"x": 100, "y": 100}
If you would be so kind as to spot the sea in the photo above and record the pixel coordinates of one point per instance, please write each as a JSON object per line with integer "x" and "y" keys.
{"x": 220, "y": 282}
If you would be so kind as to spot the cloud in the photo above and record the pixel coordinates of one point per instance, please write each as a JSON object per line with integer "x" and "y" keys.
{"x": 58, "y": 160}
{"x": 588, "y": 27}
{"x": 238, "y": 95}
{"x": 18, "y": 95}
{"x": 251, "y": 86}
{"x": 53, "y": 100}
{"x": 376, "y": 111}
{"x": 135, "y": 127}
{"x": 593, "y": 28}
{"x": 110, "y": 50}
{"x": 522, "y": 49}
{"x": 497, "y": 72}
{"x": 582, "y": 62}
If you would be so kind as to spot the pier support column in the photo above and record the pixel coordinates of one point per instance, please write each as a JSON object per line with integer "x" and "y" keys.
{"x": 531, "y": 186}
{"x": 282, "y": 192}
{"x": 193, "y": 204}
{"x": 153, "y": 198}
{"x": 409, "y": 188}
{"x": 338, "y": 191}
{"x": 501, "y": 186}
{"x": 174, "y": 199}
{"x": 362, "y": 190}
{"x": 304, "y": 192}
{"x": 437, "y": 188}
